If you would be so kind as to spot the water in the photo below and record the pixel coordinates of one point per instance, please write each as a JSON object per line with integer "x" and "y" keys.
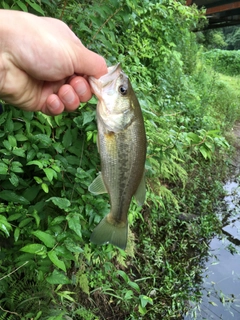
{"x": 221, "y": 277}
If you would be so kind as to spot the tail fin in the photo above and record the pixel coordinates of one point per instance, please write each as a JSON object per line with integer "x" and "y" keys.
{"x": 106, "y": 232}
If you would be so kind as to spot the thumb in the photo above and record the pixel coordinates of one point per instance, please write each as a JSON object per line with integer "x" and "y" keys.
{"x": 89, "y": 63}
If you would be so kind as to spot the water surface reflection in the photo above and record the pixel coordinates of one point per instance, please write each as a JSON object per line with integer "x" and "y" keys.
{"x": 221, "y": 277}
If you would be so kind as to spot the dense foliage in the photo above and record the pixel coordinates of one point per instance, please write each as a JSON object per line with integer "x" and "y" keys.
{"x": 49, "y": 270}
{"x": 232, "y": 37}
{"x": 227, "y": 38}
{"x": 224, "y": 61}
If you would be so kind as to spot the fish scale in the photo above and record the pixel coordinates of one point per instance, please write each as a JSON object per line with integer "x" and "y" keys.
{"x": 122, "y": 148}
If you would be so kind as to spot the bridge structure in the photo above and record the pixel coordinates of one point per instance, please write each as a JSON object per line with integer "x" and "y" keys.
{"x": 220, "y": 13}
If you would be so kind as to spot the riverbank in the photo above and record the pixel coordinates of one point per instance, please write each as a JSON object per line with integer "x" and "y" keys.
{"x": 220, "y": 273}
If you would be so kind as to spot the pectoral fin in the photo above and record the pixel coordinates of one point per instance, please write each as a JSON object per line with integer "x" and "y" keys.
{"x": 97, "y": 186}
{"x": 140, "y": 194}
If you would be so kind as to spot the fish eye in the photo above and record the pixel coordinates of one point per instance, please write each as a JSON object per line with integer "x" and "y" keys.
{"x": 122, "y": 90}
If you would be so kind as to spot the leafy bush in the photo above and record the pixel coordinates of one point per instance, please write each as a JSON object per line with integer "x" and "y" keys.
{"x": 224, "y": 61}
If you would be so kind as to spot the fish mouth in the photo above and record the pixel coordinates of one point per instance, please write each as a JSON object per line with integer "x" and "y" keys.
{"x": 111, "y": 76}
{"x": 112, "y": 69}
{"x": 107, "y": 79}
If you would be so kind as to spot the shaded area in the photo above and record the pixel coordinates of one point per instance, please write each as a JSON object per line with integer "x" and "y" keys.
{"x": 220, "y": 13}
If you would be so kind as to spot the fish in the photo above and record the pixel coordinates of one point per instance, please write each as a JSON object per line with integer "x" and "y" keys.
{"x": 122, "y": 147}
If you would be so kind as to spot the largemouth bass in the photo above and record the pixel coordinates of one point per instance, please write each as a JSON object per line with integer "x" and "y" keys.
{"x": 122, "y": 148}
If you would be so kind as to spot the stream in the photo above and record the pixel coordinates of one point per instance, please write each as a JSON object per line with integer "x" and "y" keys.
{"x": 220, "y": 289}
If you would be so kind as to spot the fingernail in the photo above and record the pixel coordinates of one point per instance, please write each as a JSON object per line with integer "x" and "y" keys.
{"x": 68, "y": 96}
{"x": 81, "y": 88}
{"x": 54, "y": 104}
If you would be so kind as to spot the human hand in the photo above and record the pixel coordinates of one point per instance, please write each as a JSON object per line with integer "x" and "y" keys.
{"x": 43, "y": 65}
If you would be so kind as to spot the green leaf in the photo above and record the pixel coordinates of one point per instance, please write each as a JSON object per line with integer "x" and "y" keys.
{"x": 21, "y": 137}
{"x": 28, "y": 115}
{"x": 30, "y": 155}
{"x": 142, "y": 310}
{"x": 14, "y": 216}
{"x": 36, "y": 217}
{"x": 19, "y": 152}
{"x": 31, "y": 192}
{"x": 67, "y": 138}
{"x": 134, "y": 285}
{"x": 205, "y": 153}
{"x": 50, "y": 173}
{"x": 34, "y": 248}
{"x": 57, "y": 277}
{"x": 37, "y": 179}
{"x": 72, "y": 246}
{"x": 5, "y": 225}
{"x": 16, "y": 166}
{"x": 3, "y": 116}
{"x": 145, "y": 300}
{"x": 44, "y": 139}
{"x": 13, "y": 197}
{"x": 3, "y": 168}
{"x": 16, "y": 234}
{"x": 22, "y": 6}
{"x": 7, "y": 145}
{"x": 89, "y": 135}
{"x": 79, "y": 120}
{"x": 128, "y": 295}
{"x": 36, "y": 162}
{"x": 9, "y": 126}
{"x": 45, "y": 237}
{"x": 45, "y": 187}
{"x": 74, "y": 223}
{"x": 14, "y": 179}
{"x": 72, "y": 160}
{"x": 44, "y": 118}
{"x": 12, "y": 140}
{"x": 54, "y": 258}
{"x": 57, "y": 220}
{"x": 58, "y": 147}
{"x": 58, "y": 119}
{"x": 88, "y": 117}
{"x": 35, "y": 6}
{"x": 123, "y": 275}
{"x": 66, "y": 295}
{"x": 62, "y": 203}
{"x": 194, "y": 137}
{"x": 25, "y": 222}
{"x": 60, "y": 316}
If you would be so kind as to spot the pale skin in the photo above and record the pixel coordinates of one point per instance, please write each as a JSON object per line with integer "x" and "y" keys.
{"x": 43, "y": 65}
